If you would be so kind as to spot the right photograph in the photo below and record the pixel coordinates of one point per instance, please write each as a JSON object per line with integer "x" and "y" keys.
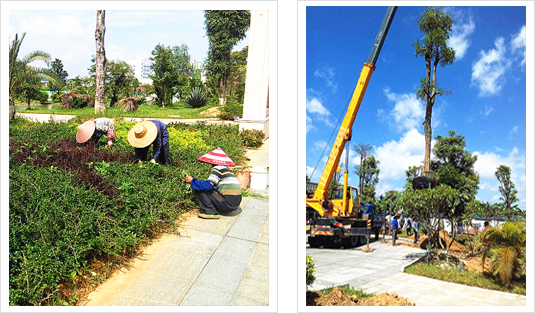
{"x": 416, "y": 156}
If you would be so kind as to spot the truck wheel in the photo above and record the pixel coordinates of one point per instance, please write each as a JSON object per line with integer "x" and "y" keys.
{"x": 313, "y": 242}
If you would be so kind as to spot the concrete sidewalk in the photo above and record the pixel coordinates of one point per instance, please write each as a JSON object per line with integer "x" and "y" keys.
{"x": 427, "y": 291}
{"x": 38, "y": 117}
{"x": 213, "y": 262}
{"x": 335, "y": 267}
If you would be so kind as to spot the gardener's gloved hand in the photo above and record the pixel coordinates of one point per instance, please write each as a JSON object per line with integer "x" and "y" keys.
{"x": 153, "y": 161}
{"x": 189, "y": 179}
{"x": 110, "y": 143}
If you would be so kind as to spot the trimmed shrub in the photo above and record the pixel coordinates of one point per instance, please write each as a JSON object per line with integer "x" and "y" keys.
{"x": 252, "y": 138}
{"x": 231, "y": 110}
{"x": 311, "y": 269}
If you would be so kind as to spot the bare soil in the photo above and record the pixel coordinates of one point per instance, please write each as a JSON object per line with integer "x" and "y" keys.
{"x": 338, "y": 298}
{"x": 212, "y": 112}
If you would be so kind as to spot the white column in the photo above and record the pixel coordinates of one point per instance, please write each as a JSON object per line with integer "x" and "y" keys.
{"x": 255, "y": 103}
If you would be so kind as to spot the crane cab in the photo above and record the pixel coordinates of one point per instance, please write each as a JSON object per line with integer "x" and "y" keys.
{"x": 352, "y": 201}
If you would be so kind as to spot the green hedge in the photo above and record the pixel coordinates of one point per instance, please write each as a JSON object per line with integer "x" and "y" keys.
{"x": 59, "y": 223}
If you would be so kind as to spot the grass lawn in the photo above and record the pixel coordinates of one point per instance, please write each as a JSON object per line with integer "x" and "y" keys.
{"x": 453, "y": 275}
{"x": 177, "y": 110}
{"x": 404, "y": 234}
{"x": 349, "y": 291}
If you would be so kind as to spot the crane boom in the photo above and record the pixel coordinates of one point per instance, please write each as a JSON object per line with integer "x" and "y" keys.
{"x": 320, "y": 198}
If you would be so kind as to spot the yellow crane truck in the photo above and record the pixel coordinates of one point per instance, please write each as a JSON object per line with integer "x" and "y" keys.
{"x": 336, "y": 219}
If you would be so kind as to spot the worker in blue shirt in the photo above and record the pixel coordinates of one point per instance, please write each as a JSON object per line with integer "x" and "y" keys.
{"x": 395, "y": 229}
{"x": 148, "y": 133}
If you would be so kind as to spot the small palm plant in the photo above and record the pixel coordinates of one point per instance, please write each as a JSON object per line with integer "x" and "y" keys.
{"x": 129, "y": 104}
{"x": 508, "y": 245}
{"x": 197, "y": 97}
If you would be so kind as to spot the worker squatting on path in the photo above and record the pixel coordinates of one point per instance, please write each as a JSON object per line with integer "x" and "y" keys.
{"x": 221, "y": 193}
{"x": 94, "y": 129}
{"x": 145, "y": 133}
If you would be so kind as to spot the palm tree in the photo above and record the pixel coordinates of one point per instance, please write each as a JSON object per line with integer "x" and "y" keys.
{"x": 508, "y": 245}
{"x": 18, "y": 68}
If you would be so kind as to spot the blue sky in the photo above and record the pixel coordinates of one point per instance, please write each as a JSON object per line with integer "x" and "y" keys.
{"x": 487, "y": 80}
{"x": 130, "y": 35}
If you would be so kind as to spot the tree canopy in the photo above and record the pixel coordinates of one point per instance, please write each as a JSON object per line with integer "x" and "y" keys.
{"x": 436, "y": 26}
{"x": 225, "y": 28}
{"x": 507, "y": 190}
{"x": 165, "y": 75}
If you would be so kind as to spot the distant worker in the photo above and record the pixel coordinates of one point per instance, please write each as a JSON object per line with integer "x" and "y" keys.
{"x": 147, "y": 133}
{"x": 409, "y": 227}
{"x": 221, "y": 193}
{"x": 415, "y": 227}
{"x": 395, "y": 229}
{"x": 93, "y": 130}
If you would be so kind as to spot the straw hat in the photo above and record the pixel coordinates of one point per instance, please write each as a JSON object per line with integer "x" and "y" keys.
{"x": 217, "y": 157}
{"x": 85, "y": 131}
{"x": 142, "y": 134}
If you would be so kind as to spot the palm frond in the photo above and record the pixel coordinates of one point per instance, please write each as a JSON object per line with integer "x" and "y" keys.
{"x": 504, "y": 263}
{"x": 37, "y": 55}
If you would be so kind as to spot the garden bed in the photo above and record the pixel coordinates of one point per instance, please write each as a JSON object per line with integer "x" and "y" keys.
{"x": 78, "y": 211}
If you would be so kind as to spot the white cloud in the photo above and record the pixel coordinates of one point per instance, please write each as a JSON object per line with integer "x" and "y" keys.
{"x": 519, "y": 44}
{"x": 488, "y": 71}
{"x": 397, "y": 156}
{"x": 488, "y": 162}
{"x": 487, "y": 111}
{"x": 320, "y": 145}
{"x": 408, "y": 112}
{"x": 512, "y": 132}
{"x": 327, "y": 73}
{"x": 459, "y": 37}
{"x": 309, "y": 124}
{"x": 314, "y": 105}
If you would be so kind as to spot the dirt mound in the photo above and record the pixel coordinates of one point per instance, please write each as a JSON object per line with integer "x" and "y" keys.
{"x": 335, "y": 298}
{"x": 338, "y": 298}
{"x": 455, "y": 246}
{"x": 211, "y": 112}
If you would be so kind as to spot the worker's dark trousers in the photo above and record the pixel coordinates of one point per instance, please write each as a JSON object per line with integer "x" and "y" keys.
{"x": 163, "y": 158}
{"x": 416, "y": 236}
{"x": 394, "y": 237}
{"x": 213, "y": 202}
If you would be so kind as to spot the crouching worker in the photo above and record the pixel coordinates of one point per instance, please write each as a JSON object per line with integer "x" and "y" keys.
{"x": 94, "y": 129}
{"x": 147, "y": 133}
{"x": 221, "y": 193}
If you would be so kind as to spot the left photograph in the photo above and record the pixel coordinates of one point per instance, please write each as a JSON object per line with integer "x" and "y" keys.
{"x": 138, "y": 157}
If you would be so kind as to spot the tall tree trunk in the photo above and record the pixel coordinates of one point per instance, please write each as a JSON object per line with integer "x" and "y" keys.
{"x": 100, "y": 63}
{"x": 222, "y": 91}
{"x": 12, "y": 110}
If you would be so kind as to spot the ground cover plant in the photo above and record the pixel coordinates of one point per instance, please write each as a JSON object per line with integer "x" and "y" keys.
{"x": 74, "y": 205}
{"x": 176, "y": 110}
{"x": 454, "y": 275}
{"x": 252, "y": 138}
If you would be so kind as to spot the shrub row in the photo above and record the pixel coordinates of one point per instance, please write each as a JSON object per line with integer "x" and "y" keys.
{"x": 70, "y": 203}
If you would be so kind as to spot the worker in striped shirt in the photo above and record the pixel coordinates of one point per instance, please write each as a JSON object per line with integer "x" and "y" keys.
{"x": 220, "y": 194}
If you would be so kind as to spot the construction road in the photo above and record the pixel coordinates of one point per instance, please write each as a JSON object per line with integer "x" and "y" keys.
{"x": 382, "y": 271}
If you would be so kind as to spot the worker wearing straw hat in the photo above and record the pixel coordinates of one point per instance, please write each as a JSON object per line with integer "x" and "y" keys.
{"x": 94, "y": 129}
{"x": 147, "y": 133}
{"x": 221, "y": 193}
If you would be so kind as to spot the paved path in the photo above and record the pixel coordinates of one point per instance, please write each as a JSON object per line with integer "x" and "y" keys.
{"x": 426, "y": 291}
{"x": 335, "y": 267}
{"x": 37, "y": 117}
{"x": 212, "y": 262}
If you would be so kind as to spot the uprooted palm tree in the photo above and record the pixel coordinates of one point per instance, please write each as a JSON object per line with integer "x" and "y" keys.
{"x": 508, "y": 245}
{"x": 19, "y": 68}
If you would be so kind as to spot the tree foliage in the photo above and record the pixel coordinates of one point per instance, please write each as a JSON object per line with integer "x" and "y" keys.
{"x": 436, "y": 26}
{"x": 57, "y": 67}
{"x": 120, "y": 80}
{"x": 225, "y": 28}
{"x": 370, "y": 177}
{"x": 363, "y": 150}
{"x": 454, "y": 166}
{"x": 19, "y": 69}
{"x": 165, "y": 75}
{"x": 507, "y": 189}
